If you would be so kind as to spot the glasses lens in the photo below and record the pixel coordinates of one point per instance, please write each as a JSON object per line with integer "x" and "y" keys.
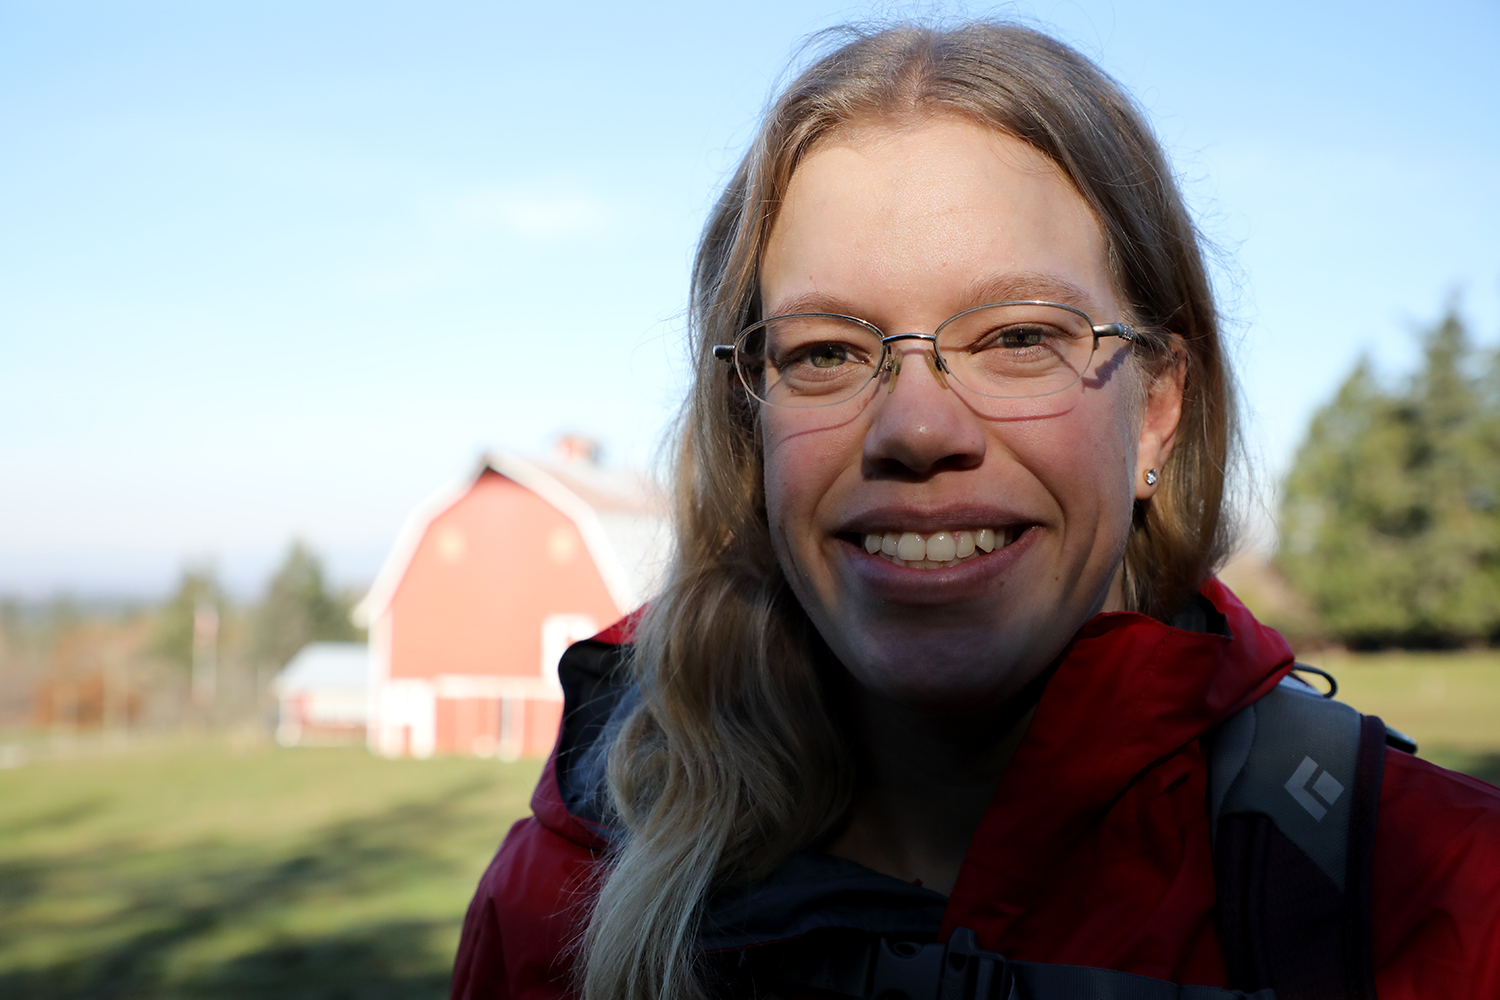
{"x": 808, "y": 359}
{"x": 1017, "y": 350}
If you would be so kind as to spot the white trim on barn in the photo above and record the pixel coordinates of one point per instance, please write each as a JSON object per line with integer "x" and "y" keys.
{"x": 603, "y": 535}
{"x": 620, "y": 521}
{"x": 408, "y": 539}
{"x": 380, "y": 673}
{"x": 584, "y": 518}
{"x": 407, "y": 718}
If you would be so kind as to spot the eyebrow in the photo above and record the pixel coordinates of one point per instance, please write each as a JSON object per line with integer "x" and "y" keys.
{"x": 1016, "y": 286}
{"x": 814, "y": 302}
{"x": 1024, "y": 285}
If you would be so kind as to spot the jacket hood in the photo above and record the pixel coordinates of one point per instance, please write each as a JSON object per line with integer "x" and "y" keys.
{"x": 598, "y": 695}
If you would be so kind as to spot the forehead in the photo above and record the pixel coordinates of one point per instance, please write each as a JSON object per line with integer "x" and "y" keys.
{"x": 932, "y": 218}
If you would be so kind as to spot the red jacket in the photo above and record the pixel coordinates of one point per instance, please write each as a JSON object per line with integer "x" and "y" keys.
{"x": 1095, "y": 850}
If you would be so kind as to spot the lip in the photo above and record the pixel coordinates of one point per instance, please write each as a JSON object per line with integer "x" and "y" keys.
{"x": 972, "y": 578}
{"x": 927, "y": 520}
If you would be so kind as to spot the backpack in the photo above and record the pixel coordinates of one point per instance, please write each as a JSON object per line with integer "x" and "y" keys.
{"x": 1294, "y": 787}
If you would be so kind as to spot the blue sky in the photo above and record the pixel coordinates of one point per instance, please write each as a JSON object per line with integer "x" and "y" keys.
{"x": 281, "y": 269}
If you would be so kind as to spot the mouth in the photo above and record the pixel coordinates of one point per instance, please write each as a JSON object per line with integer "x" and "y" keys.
{"x": 938, "y": 549}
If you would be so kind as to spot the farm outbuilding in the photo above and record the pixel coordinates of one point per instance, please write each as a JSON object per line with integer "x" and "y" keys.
{"x": 323, "y": 694}
{"x": 488, "y": 583}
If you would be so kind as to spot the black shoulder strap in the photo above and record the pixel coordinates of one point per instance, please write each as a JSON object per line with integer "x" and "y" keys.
{"x": 868, "y": 967}
{"x": 1294, "y": 786}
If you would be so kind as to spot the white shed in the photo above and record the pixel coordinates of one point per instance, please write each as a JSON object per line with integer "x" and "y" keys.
{"x": 323, "y": 695}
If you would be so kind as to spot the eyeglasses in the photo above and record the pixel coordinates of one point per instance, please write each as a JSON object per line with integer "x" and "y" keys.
{"x": 1002, "y": 350}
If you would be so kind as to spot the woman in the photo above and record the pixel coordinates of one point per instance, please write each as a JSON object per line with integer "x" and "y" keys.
{"x": 941, "y": 657}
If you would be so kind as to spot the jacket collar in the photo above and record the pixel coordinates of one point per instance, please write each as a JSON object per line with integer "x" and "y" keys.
{"x": 1127, "y": 692}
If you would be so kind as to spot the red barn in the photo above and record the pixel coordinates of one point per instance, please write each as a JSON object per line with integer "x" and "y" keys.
{"x": 487, "y": 584}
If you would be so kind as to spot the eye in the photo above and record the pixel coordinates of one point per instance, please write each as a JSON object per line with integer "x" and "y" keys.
{"x": 1020, "y": 337}
{"x": 828, "y": 355}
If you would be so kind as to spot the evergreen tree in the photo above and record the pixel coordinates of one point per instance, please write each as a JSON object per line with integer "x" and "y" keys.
{"x": 178, "y": 621}
{"x": 1389, "y": 521}
{"x": 298, "y": 609}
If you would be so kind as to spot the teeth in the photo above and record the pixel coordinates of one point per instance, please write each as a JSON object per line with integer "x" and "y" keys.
{"x": 941, "y": 548}
{"x": 911, "y": 548}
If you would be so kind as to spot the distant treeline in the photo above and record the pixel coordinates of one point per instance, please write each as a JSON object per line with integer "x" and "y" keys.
{"x": 197, "y": 655}
{"x": 1390, "y": 516}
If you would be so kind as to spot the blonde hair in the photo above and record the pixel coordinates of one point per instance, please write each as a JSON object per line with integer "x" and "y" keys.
{"x": 734, "y": 759}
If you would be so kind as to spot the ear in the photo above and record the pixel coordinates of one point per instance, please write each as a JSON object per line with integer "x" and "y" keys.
{"x": 1161, "y": 411}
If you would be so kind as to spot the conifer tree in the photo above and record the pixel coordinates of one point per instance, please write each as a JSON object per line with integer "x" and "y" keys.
{"x": 298, "y": 609}
{"x": 1389, "y": 519}
{"x": 178, "y": 622}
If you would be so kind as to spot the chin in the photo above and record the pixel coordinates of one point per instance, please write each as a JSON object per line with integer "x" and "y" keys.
{"x": 934, "y": 676}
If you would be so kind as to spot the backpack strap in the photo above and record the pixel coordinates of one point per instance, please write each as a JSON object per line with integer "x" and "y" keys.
{"x": 868, "y": 967}
{"x": 1294, "y": 787}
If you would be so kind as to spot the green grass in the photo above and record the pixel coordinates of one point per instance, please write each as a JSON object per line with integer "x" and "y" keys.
{"x": 1448, "y": 702}
{"x": 185, "y": 869}
{"x": 188, "y": 870}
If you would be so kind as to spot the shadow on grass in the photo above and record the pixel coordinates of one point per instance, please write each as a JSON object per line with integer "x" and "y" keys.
{"x": 20, "y": 882}
{"x": 172, "y": 902}
{"x": 54, "y": 819}
{"x": 1484, "y": 766}
{"x": 390, "y": 961}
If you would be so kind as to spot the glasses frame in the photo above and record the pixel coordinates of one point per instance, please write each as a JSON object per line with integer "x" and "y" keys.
{"x": 890, "y": 362}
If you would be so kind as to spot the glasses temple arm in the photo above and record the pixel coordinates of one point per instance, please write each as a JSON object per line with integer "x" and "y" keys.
{"x": 1121, "y": 330}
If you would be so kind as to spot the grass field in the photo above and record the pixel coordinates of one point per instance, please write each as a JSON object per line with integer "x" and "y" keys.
{"x": 1448, "y": 702}
{"x": 185, "y": 869}
{"x": 188, "y": 870}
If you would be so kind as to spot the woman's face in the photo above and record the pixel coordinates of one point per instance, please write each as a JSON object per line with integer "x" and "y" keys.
{"x": 904, "y": 228}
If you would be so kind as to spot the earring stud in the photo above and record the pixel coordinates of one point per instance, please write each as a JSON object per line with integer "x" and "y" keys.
{"x": 1151, "y": 477}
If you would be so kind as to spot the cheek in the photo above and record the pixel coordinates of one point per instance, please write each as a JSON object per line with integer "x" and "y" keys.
{"x": 803, "y": 456}
{"x": 804, "y": 463}
{"x": 1108, "y": 468}
{"x": 780, "y": 461}
{"x": 1085, "y": 461}
{"x": 792, "y": 485}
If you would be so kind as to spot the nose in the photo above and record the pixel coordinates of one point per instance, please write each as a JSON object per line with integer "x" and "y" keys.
{"x": 920, "y": 426}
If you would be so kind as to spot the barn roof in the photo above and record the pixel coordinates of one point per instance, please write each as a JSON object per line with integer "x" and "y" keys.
{"x": 620, "y": 517}
{"x": 324, "y": 665}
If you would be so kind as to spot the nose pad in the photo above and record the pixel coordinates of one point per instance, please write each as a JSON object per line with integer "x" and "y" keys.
{"x": 892, "y": 367}
{"x": 939, "y": 368}
{"x": 919, "y": 433}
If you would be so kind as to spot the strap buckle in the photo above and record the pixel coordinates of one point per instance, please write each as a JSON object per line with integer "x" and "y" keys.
{"x": 961, "y": 970}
